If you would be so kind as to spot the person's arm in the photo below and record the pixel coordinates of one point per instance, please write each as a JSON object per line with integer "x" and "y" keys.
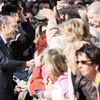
{"x": 7, "y": 63}
{"x": 20, "y": 12}
{"x": 36, "y": 81}
{"x": 27, "y": 37}
{"x": 52, "y": 29}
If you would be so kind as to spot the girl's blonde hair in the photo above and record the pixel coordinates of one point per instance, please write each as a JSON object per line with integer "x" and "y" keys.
{"x": 77, "y": 27}
{"x": 55, "y": 61}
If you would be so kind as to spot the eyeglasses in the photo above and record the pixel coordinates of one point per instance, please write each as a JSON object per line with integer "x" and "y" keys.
{"x": 84, "y": 62}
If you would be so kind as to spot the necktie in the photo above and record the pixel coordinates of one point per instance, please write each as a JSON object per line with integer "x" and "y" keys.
{"x": 9, "y": 49}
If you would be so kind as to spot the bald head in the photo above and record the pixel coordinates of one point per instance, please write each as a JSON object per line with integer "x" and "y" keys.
{"x": 95, "y": 7}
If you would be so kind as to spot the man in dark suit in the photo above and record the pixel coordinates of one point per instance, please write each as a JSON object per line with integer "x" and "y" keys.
{"x": 8, "y": 31}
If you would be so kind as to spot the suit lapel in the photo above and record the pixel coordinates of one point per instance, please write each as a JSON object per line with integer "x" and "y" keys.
{"x": 4, "y": 49}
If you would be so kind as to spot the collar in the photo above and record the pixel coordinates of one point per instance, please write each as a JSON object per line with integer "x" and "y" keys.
{"x": 5, "y": 41}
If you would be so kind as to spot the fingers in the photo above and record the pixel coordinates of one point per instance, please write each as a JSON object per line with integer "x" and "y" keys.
{"x": 37, "y": 58}
{"x": 48, "y": 13}
{"x": 30, "y": 63}
{"x": 21, "y": 87}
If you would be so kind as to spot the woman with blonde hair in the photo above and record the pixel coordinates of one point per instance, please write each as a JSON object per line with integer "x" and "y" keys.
{"x": 55, "y": 82}
{"x": 55, "y": 63}
{"x": 55, "y": 85}
{"x": 77, "y": 32}
{"x": 76, "y": 28}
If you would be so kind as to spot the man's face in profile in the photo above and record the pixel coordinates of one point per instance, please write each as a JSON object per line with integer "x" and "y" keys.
{"x": 11, "y": 29}
{"x": 94, "y": 19}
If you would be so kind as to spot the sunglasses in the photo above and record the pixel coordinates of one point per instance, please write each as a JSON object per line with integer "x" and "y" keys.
{"x": 84, "y": 62}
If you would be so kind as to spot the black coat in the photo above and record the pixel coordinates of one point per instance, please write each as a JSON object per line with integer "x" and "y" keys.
{"x": 84, "y": 88}
{"x": 7, "y": 68}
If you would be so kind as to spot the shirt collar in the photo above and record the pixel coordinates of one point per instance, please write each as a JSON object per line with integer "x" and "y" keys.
{"x": 5, "y": 41}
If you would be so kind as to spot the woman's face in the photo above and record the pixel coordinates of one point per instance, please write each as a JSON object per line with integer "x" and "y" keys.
{"x": 85, "y": 65}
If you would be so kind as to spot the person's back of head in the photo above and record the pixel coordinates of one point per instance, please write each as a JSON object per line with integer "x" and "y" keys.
{"x": 76, "y": 27}
{"x": 55, "y": 61}
{"x": 69, "y": 13}
{"x": 42, "y": 4}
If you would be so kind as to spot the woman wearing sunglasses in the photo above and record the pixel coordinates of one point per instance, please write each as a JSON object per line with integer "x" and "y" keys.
{"x": 88, "y": 61}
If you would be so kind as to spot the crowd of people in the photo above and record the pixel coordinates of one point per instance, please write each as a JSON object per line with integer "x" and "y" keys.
{"x": 50, "y": 50}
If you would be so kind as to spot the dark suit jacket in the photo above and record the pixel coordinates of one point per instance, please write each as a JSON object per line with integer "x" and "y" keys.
{"x": 7, "y": 68}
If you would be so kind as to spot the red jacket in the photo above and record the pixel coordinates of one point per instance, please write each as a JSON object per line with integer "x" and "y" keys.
{"x": 36, "y": 81}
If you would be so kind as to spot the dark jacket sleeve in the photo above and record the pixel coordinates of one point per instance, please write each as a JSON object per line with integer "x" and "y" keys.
{"x": 9, "y": 64}
{"x": 13, "y": 65}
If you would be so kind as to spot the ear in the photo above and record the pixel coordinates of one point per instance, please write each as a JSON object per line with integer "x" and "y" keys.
{"x": 2, "y": 27}
{"x": 97, "y": 67}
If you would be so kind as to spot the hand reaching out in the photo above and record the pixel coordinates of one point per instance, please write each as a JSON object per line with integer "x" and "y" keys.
{"x": 48, "y": 13}
{"x": 20, "y": 12}
{"x": 20, "y": 7}
{"x": 30, "y": 63}
{"x": 21, "y": 86}
{"x": 37, "y": 58}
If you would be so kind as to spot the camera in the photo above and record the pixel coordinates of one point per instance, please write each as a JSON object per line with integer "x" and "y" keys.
{"x": 16, "y": 79}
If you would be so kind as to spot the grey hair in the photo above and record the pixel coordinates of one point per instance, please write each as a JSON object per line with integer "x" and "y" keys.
{"x": 4, "y": 20}
{"x": 95, "y": 7}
